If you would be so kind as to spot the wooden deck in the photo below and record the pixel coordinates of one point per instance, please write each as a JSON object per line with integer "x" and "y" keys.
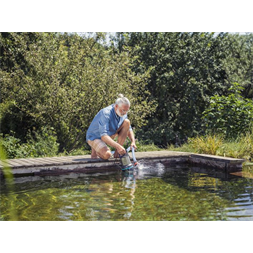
{"x": 86, "y": 164}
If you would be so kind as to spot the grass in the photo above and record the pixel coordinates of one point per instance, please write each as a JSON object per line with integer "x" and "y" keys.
{"x": 242, "y": 147}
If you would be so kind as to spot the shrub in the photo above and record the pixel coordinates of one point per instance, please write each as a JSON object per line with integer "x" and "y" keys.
{"x": 229, "y": 115}
{"x": 66, "y": 90}
{"x": 39, "y": 144}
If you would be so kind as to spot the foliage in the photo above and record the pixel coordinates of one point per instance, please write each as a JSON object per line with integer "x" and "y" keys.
{"x": 206, "y": 144}
{"x": 185, "y": 70}
{"x": 142, "y": 147}
{"x": 16, "y": 122}
{"x": 6, "y": 169}
{"x": 62, "y": 81}
{"x": 229, "y": 115}
{"x": 43, "y": 143}
{"x": 242, "y": 147}
{"x": 9, "y": 181}
{"x": 239, "y": 62}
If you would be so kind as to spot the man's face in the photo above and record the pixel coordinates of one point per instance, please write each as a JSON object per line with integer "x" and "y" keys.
{"x": 122, "y": 110}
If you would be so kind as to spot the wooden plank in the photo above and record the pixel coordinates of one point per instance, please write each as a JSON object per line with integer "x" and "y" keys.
{"x": 85, "y": 160}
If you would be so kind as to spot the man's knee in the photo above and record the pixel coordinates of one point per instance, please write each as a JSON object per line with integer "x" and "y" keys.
{"x": 105, "y": 154}
{"x": 126, "y": 122}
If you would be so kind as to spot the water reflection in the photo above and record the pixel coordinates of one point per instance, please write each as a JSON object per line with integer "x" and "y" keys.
{"x": 151, "y": 192}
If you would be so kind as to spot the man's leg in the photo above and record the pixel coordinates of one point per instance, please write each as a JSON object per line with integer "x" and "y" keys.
{"x": 94, "y": 153}
{"x": 122, "y": 134}
{"x": 99, "y": 148}
{"x": 123, "y": 131}
{"x": 104, "y": 153}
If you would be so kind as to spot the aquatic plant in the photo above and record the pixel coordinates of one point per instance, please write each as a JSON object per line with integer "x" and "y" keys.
{"x": 208, "y": 144}
{"x": 7, "y": 172}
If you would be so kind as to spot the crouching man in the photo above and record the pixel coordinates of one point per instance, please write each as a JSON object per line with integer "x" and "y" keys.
{"x": 110, "y": 122}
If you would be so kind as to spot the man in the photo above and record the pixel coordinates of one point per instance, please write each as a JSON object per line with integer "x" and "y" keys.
{"x": 107, "y": 124}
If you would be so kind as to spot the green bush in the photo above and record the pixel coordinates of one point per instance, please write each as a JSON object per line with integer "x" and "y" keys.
{"x": 230, "y": 115}
{"x": 66, "y": 90}
{"x": 185, "y": 70}
{"x": 43, "y": 143}
{"x": 13, "y": 146}
{"x": 39, "y": 144}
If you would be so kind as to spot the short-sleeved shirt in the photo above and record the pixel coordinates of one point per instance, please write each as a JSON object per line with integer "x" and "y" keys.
{"x": 106, "y": 122}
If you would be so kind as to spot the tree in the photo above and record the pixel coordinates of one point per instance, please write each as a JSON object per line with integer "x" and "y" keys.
{"x": 66, "y": 79}
{"x": 230, "y": 115}
{"x": 185, "y": 70}
{"x": 239, "y": 62}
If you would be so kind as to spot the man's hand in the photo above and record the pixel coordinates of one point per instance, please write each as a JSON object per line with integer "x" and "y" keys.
{"x": 133, "y": 145}
{"x": 120, "y": 150}
{"x": 131, "y": 137}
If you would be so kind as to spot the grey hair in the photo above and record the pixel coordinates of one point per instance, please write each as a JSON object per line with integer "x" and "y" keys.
{"x": 122, "y": 100}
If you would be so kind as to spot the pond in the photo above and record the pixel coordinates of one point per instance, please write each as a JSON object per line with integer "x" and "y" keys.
{"x": 152, "y": 192}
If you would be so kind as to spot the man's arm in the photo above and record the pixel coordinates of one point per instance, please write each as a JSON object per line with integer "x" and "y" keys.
{"x": 108, "y": 140}
{"x": 132, "y": 139}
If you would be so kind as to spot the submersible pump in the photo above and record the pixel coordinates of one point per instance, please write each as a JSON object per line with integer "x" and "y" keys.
{"x": 126, "y": 163}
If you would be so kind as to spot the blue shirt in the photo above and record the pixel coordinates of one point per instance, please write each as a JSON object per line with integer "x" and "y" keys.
{"x": 106, "y": 122}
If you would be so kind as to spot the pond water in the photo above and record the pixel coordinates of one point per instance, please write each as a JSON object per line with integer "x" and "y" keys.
{"x": 152, "y": 192}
